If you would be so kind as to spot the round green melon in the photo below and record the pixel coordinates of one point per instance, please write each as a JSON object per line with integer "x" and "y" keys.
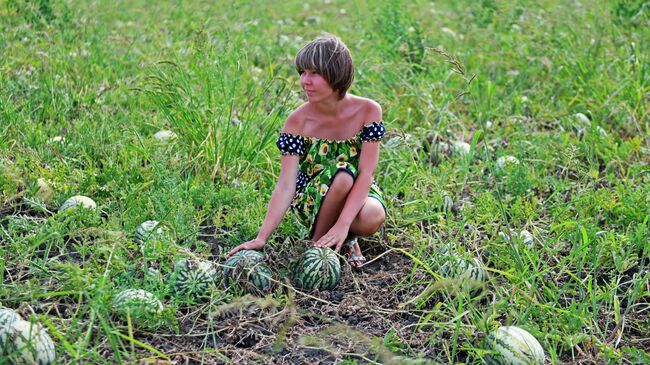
{"x": 318, "y": 268}
{"x": 514, "y": 346}
{"x": 246, "y": 269}
{"x": 78, "y": 201}
{"x": 24, "y": 342}
{"x": 505, "y": 162}
{"x": 193, "y": 277}
{"x": 527, "y": 238}
{"x": 142, "y": 306}
{"x": 149, "y": 230}
{"x": 464, "y": 270}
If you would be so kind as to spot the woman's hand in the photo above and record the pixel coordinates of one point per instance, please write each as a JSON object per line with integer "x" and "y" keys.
{"x": 334, "y": 237}
{"x": 255, "y": 244}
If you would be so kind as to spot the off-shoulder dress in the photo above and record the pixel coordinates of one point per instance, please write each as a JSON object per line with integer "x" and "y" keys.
{"x": 320, "y": 161}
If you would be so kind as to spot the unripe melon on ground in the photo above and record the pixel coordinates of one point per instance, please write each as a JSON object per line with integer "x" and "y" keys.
{"x": 164, "y": 135}
{"x": 246, "y": 269}
{"x": 24, "y": 342}
{"x": 318, "y": 268}
{"x": 193, "y": 278}
{"x": 514, "y": 346}
{"x": 149, "y": 230}
{"x": 78, "y": 201}
{"x": 461, "y": 148}
{"x": 142, "y": 306}
{"x": 507, "y": 161}
{"x": 44, "y": 191}
{"x": 464, "y": 270}
{"x": 527, "y": 238}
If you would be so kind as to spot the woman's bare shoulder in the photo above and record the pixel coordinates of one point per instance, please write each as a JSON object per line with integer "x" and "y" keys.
{"x": 369, "y": 109}
{"x": 295, "y": 123}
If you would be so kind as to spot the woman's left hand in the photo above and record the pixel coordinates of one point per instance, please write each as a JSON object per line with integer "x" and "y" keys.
{"x": 335, "y": 236}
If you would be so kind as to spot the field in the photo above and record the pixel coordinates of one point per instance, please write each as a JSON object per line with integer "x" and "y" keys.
{"x": 563, "y": 86}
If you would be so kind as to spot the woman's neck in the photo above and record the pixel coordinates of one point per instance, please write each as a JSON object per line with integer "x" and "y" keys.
{"x": 332, "y": 106}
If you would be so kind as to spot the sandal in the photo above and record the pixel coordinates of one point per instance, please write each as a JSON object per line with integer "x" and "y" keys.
{"x": 356, "y": 261}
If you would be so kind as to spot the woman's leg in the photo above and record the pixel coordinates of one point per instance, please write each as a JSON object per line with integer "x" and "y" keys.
{"x": 369, "y": 220}
{"x": 332, "y": 204}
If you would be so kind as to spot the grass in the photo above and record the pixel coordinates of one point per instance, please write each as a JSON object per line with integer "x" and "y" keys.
{"x": 561, "y": 86}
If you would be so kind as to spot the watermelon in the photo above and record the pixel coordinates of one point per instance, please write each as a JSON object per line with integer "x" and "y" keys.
{"x": 318, "y": 268}
{"x": 464, "y": 270}
{"x": 24, "y": 342}
{"x": 164, "y": 135}
{"x": 527, "y": 238}
{"x": 142, "y": 306}
{"x": 193, "y": 277}
{"x": 505, "y": 161}
{"x": 246, "y": 268}
{"x": 461, "y": 148}
{"x": 149, "y": 230}
{"x": 44, "y": 192}
{"x": 154, "y": 276}
{"x": 78, "y": 201}
{"x": 514, "y": 346}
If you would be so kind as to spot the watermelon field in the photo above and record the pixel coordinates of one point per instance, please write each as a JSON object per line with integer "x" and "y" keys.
{"x": 137, "y": 148}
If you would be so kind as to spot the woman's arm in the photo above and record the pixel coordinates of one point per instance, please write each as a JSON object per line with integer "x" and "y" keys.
{"x": 281, "y": 197}
{"x": 280, "y": 201}
{"x": 359, "y": 192}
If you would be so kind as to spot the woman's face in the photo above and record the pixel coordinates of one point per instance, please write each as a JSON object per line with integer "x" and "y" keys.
{"x": 315, "y": 86}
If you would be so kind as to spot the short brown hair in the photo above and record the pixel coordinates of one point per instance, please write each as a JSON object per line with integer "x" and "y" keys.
{"x": 329, "y": 57}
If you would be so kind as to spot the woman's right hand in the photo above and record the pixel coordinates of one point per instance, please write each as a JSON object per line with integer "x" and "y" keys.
{"x": 255, "y": 244}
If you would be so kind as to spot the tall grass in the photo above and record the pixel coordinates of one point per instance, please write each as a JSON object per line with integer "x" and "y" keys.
{"x": 226, "y": 116}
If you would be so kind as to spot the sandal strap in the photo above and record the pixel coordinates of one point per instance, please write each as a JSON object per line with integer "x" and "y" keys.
{"x": 355, "y": 258}
{"x": 351, "y": 242}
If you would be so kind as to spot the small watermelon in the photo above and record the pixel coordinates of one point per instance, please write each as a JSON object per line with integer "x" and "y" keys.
{"x": 164, "y": 135}
{"x": 504, "y": 162}
{"x": 461, "y": 148}
{"x": 24, "y": 342}
{"x": 527, "y": 238}
{"x": 514, "y": 346}
{"x": 465, "y": 270}
{"x": 319, "y": 268}
{"x": 142, "y": 306}
{"x": 149, "y": 230}
{"x": 246, "y": 268}
{"x": 78, "y": 201}
{"x": 193, "y": 277}
{"x": 153, "y": 276}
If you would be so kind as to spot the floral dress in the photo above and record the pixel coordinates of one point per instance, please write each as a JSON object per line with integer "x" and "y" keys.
{"x": 320, "y": 161}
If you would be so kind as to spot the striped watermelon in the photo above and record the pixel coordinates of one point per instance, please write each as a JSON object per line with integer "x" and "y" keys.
{"x": 24, "y": 342}
{"x": 514, "y": 346}
{"x": 246, "y": 268}
{"x": 142, "y": 306}
{"x": 467, "y": 271}
{"x": 527, "y": 238}
{"x": 78, "y": 201}
{"x": 149, "y": 229}
{"x": 319, "y": 268}
{"x": 505, "y": 162}
{"x": 193, "y": 277}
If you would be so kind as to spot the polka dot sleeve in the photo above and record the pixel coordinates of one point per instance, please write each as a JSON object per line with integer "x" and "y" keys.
{"x": 373, "y": 132}
{"x": 290, "y": 144}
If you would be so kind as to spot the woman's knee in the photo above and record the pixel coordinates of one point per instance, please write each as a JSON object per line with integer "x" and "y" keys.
{"x": 370, "y": 218}
{"x": 342, "y": 183}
